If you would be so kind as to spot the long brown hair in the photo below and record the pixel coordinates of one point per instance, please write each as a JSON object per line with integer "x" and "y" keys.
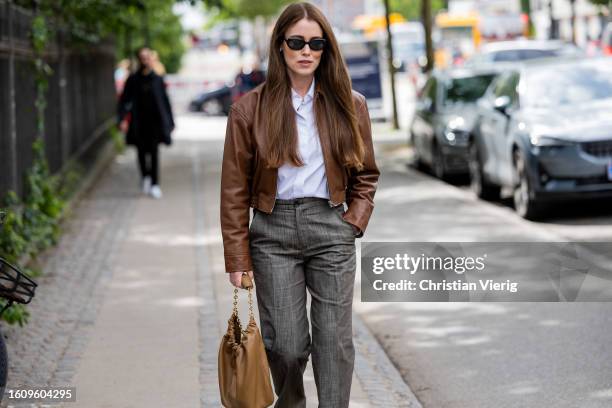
{"x": 335, "y": 101}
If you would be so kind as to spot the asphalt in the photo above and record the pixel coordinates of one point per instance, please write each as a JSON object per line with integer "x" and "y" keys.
{"x": 489, "y": 354}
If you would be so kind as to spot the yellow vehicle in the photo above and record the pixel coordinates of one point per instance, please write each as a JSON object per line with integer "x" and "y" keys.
{"x": 462, "y": 34}
{"x": 459, "y": 26}
{"x": 371, "y": 26}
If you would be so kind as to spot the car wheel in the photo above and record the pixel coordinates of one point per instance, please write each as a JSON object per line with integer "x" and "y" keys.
{"x": 524, "y": 203}
{"x": 212, "y": 107}
{"x": 417, "y": 160}
{"x": 437, "y": 164}
{"x": 478, "y": 183}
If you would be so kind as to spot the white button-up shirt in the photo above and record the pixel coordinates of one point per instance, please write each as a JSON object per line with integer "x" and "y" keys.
{"x": 308, "y": 180}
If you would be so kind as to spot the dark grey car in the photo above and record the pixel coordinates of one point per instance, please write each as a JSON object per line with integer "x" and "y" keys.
{"x": 545, "y": 130}
{"x": 443, "y": 119}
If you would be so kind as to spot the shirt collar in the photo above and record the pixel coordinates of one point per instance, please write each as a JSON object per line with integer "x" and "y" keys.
{"x": 297, "y": 99}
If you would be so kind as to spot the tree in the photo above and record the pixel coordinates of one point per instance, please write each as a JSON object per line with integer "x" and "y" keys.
{"x": 250, "y": 9}
{"x": 573, "y": 19}
{"x": 553, "y": 32}
{"x": 426, "y": 18}
{"x": 415, "y": 10}
{"x": 390, "y": 64}
{"x": 411, "y": 9}
{"x": 605, "y": 3}
{"x": 160, "y": 29}
{"x": 247, "y": 9}
{"x": 129, "y": 22}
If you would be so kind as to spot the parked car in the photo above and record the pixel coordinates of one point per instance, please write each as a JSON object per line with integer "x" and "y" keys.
{"x": 443, "y": 119}
{"x": 213, "y": 102}
{"x": 520, "y": 50}
{"x": 218, "y": 101}
{"x": 544, "y": 130}
{"x": 408, "y": 44}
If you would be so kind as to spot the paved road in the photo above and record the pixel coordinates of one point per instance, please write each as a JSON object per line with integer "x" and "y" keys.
{"x": 475, "y": 355}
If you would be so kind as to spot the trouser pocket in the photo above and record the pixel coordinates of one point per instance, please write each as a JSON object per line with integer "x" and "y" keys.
{"x": 339, "y": 210}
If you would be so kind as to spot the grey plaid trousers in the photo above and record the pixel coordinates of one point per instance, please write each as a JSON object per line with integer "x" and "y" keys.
{"x": 305, "y": 244}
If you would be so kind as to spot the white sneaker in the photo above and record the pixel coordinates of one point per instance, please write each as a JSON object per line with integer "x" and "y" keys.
{"x": 156, "y": 191}
{"x": 146, "y": 185}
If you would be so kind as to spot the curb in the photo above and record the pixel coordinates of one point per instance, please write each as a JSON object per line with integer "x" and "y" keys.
{"x": 208, "y": 327}
{"x": 379, "y": 378}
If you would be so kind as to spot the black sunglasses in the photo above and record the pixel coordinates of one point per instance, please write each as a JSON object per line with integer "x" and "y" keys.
{"x": 297, "y": 43}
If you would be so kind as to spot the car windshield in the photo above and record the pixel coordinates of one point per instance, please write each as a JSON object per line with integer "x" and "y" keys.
{"x": 568, "y": 85}
{"x": 522, "y": 54}
{"x": 408, "y": 48}
{"x": 467, "y": 89}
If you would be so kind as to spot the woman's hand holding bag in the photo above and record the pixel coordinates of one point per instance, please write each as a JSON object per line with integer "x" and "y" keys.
{"x": 244, "y": 373}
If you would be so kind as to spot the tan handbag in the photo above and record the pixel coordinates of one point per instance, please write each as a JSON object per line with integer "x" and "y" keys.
{"x": 244, "y": 373}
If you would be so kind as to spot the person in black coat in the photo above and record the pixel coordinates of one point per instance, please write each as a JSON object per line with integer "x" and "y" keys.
{"x": 151, "y": 121}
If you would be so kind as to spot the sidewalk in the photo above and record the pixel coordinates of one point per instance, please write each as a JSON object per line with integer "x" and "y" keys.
{"x": 149, "y": 335}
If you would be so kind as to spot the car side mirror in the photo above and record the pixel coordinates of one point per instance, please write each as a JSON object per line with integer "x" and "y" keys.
{"x": 502, "y": 103}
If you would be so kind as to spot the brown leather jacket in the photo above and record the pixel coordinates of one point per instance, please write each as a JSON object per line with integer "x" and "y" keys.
{"x": 245, "y": 182}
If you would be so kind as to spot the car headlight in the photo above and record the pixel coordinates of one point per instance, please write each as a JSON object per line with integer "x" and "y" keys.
{"x": 456, "y": 123}
{"x": 545, "y": 141}
{"x": 456, "y": 136}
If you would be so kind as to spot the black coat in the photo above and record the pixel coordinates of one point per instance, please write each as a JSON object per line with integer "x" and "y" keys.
{"x": 152, "y": 124}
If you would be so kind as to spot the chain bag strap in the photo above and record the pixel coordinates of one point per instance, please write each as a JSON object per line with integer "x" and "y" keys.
{"x": 244, "y": 373}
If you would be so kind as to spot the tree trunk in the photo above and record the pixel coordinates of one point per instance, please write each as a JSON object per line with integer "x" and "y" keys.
{"x": 391, "y": 67}
{"x": 427, "y": 25}
{"x": 553, "y": 32}
{"x": 573, "y": 10}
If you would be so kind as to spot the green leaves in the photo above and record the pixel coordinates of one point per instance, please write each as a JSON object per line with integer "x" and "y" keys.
{"x": 31, "y": 225}
{"x": 411, "y": 9}
{"x": 12, "y": 242}
{"x": 15, "y": 314}
{"x": 251, "y": 9}
{"x": 40, "y": 33}
{"x": 39, "y": 37}
{"x": 126, "y": 21}
{"x": 118, "y": 139}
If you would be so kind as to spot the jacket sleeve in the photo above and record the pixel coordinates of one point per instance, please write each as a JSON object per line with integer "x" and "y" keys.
{"x": 167, "y": 105}
{"x": 362, "y": 184}
{"x": 235, "y": 192}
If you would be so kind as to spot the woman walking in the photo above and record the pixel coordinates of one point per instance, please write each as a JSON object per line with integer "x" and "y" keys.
{"x": 298, "y": 149}
{"x": 151, "y": 121}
